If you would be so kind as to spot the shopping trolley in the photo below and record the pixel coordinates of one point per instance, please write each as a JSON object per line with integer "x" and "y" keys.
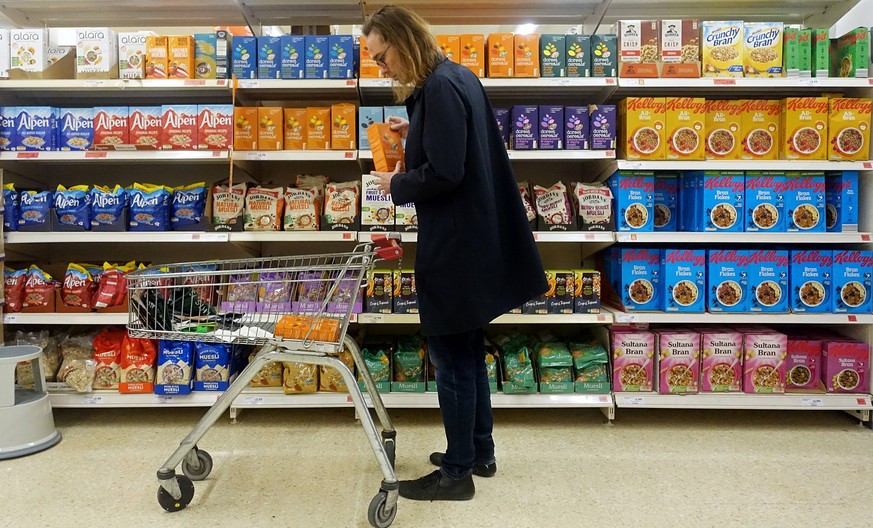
{"x": 299, "y": 307}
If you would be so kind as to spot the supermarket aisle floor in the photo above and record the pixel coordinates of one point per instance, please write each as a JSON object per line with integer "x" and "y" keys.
{"x": 313, "y": 468}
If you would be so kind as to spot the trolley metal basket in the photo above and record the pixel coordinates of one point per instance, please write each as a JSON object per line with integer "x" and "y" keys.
{"x": 301, "y": 306}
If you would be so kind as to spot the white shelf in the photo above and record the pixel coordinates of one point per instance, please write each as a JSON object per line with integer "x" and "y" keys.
{"x": 127, "y": 156}
{"x": 790, "y": 401}
{"x": 558, "y": 155}
{"x": 110, "y": 85}
{"x": 66, "y": 318}
{"x": 574, "y": 236}
{"x": 294, "y": 236}
{"x": 763, "y": 165}
{"x": 550, "y": 82}
{"x": 296, "y": 155}
{"x": 739, "y": 318}
{"x": 297, "y": 84}
{"x": 367, "y": 236}
{"x": 65, "y": 397}
{"x": 602, "y": 318}
{"x": 768, "y": 84}
{"x": 128, "y": 237}
{"x": 681, "y": 237}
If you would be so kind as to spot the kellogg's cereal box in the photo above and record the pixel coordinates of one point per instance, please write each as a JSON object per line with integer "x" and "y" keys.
{"x": 821, "y": 53}
{"x": 724, "y": 129}
{"x": 804, "y": 128}
{"x": 666, "y": 202}
{"x": 75, "y": 128}
{"x": 805, "y": 201}
{"x": 728, "y": 280}
{"x": 845, "y": 366}
{"x": 803, "y": 364}
{"x": 471, "y": 49}
{"x": 722, "y": 362}
{"x": 684, "y": 279}
{"x": 678, "y": 361}
{"x": 854, "y": 53}
{"x": 686, "y": 118}
{"x": 760, "y": 129}
{"x": 180, "y": 127}
{"x": 723, "y": 48}
{"x": 214, "y": 127}
{"x": 680, "y": 41}
{"x": 852, "y": 281}
{"x": 632, "y": 359}
{"x": 501, "y": 55}
{"x": 111, "y": 127}
{"x": 810, "y": 281}
{"x": 768, "y": 280}
{"x": 765, "y": 201}
{"x": 841, "y": 201}
{"x": 642, "y": 124}
{"x": 634, "y": 194}
{"x": 762, "y": 49}
{"x": 764, "y": 365}
{"x": 849, "y": 129}
{"x": 145, "y": 127}
{"x": 723, "y": 200}
{"x": 637, "y": 279}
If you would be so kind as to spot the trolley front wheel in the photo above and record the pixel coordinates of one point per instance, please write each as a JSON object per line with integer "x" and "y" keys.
{"x": 200, "y": 473}
{"x": 171, "y": 504}
{"x": 378, "y": 516}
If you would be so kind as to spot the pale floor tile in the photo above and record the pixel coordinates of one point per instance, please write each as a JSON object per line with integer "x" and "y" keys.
{"x": 314, "y": 468}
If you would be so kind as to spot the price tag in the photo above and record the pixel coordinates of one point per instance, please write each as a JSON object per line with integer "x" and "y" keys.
{"x": 353, "y": 318}
{"x": 164, "y": 399}
{"x": 867, "y": 164}
{"x": 636, "y": 400}
{"x": 812, "y": 402}
{"x": 218, "y": 153}
{"x": 96, "y": 154}
{"x": 536, "y": 236}
{"x": 727, "y": 81}
{"x": 560, "y": 82}
{"x": 808, "y": 82}
{"x": 632, "y": 165}
{"x": 256, "y": 156}
{"x": 865, "y": 238}
{"x": 349, "y": 154}
{"x": 351, "y": 82}
{"x": 870, "y": 81}
{"x": 601, "y": 318}
{"x": 380, "y": 83}
{"x": 253, "y": 400}
{"x": 27, "y": 155}
{"x": 195, "y": 82}
{"x": 210, "y": 237}
{"x": 589, "y": 236}
{"x": 348, "y": 236}
{"x": 94, "y": 84}
{"x": 625, "y": 318}
{"x": 92, "y": 400}
{"x": 610, "y": 154}
{"x": 10, "y": 319}
{"x": 376, "y": 318}
{"x": 249, "y": 83}
{"x": 861, "y": 402}
{"x": 603, "y": 399}
{"x": 852, "y": 318}
{"x": 126, "y": 148}
{"x": 610, "y": 81}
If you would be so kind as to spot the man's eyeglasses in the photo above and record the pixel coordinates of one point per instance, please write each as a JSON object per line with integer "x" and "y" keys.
{"x": 380, "y": 60}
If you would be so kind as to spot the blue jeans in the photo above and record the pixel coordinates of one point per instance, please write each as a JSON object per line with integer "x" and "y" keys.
{"x": 465, "y": 400}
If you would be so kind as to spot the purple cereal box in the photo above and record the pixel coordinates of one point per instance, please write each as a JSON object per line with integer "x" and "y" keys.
{"x": 764, "y": 201}
{"x": 764, "y": 362}
{"x": 845, "y": 365}
{"x": 768, "y": 281}
{"x": 524, "y": 127}
{"x": 852, "y": 284}
{"x": 683, "y": 276}
{"x": 576, "y": 128}
{"x": 678, "y": 361}
{"x": 722, "y": 200}
{"x": 601, "y": 119}
{"x": 805, "y": 202}
{"x": 810, "y": 280}
{"x": 727, "y": 280}
{"x": 501, "y": 115}
{"x": 632, "y": 360}
{"x": 551, "y": 127}
{"x": 722, "y": 362}
{"x": 803, "y": 363}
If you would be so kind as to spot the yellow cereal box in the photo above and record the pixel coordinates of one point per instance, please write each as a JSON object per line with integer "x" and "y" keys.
{"x": 318, "y": 128}
{"x": 156, "y": 57}
{"x": 849, "y": 129}
{"x": 762, "y": 49}
{"x": 180, "y": 51}
{"x": 641, "y": 124}
{"x": 527, "y": 55}
{"x": 245, "y": 121}
{"x": 723, "y": 129}
{"x": 369, "y": 68}
{"x": 723, "y": 48}
{"x": 295, "y": 128}
{"x": 450, "y": 45}
{"x": 760, "y": 127}
{"x": 270, "y": 130}
{"x": 473, "y": 53}
{"x": 686, "y": 121}
{"x": 501, "y": 58}
{"x": 343, "y": 130}
{"x": 804, "y": 124}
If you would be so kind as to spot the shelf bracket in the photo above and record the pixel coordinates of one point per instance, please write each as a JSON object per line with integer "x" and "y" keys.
{"x": 593, "y": 21}
{"x": 249, "y": 16}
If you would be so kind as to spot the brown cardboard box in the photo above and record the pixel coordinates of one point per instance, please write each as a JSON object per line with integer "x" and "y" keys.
{"x": 245, "y": 122}
{"x": 318, "y": 128}
{"x": 501, "y": 58}
{"x": 343, "y": 128}
{"x": 473, "y": 53}
{"x": 63, "y": 68}
{"x": 527, "y": 55}
{"x": 295, "y": 128}
{"x": 638, "y": 40}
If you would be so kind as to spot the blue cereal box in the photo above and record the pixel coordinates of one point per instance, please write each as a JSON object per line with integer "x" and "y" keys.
{"x": 244, "y": 57}
{"x": 639, "y": 283}
{"x": 841, "y": 201}
{"x": 551, "y": 127}
{"x": 666, "y": 210}
{"x": 805, "y": 202}
{"x": 683, "y": 276}
{"x": 524, "y": 127}
{"x": 722, "y": 200}
{"x": 175, "y": 365}
{"x": 765, "y": 201}
{"x": 501, "y": 115}
{"x": 396, "y": 111}
{"x": 852, "y": 281}
{"x": 634, "y": 195}
{"x": 293, "y": 58}
{"x": 810, "y": 281}
{"x": 727, "y": 280}
{"x": 339, "y": 65}
{"x": 367, "y": 116}
{"x": 768, "y": 280}
{"x": 7, "y": 127}
{"x": 212, "y": 364}
{"x": 269, "y": 57}
{"x": 576, "y": 128}
{"x": 75, "y": 128}
{"x": 316, "y": 56}
{"x": 35, "y": 128}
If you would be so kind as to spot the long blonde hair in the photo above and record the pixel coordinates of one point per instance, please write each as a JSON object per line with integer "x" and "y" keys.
{"x": 414, "y": 46}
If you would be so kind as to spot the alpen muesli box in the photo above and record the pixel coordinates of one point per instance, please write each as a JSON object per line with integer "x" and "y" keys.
{"x": 841, "y": 201}
{"x": 727, "y": 280}
{"x": 111, "y": 127}
{"x": 678, "y": 361}
{"x": 765, "y": 201}
{"x": 214, "y": 127}
{"x": 810, "y": 280}
{"x": 179, "y": 127}
{"x": 683, "y": 275}
{"x": 634, "y": 194}
{"x": 722, "y": 361}
{"x": 34, "y": 128}
{"x": 145, "y": 127}
{"x": 852, "y": 271}
{"x": 75, "y": 128}
{"x": 805, "y": 201}
{"x": 768, "y": 280}
{"x": 632, "y": 359}
{"x": 764, "y": 362}
{"x": 845, "y": 366}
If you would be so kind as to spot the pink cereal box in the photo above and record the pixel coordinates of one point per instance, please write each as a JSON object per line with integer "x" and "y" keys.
{"x": 764, "y": 362}
{"x": 180, "y": 127}
{"x": 111, "y": 128}
{"x": 722, "y": 361}
{"x": 845, "y": 365}
{"x": 803, "y": 364}
{"x": 632, "y": 360}
{"x": 678, "y": 361}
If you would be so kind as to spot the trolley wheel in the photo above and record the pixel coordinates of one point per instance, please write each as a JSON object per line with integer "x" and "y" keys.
{"x": 171, "y": 504}
{"x": 377, "y": 515}
{"x": 390, "y": 449}
{"x": 203, "y": 471}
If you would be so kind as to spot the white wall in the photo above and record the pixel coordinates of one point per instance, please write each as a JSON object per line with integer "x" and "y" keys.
{"x": 860, "y": 15}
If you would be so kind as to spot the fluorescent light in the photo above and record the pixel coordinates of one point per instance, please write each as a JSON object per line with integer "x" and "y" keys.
{"x": 525, "y": 29}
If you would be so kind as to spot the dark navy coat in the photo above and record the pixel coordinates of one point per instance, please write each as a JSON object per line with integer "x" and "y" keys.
{"x": 476, "y": 257}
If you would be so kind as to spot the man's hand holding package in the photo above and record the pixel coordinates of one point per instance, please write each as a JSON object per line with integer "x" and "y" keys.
{"x": 385, "y": 179}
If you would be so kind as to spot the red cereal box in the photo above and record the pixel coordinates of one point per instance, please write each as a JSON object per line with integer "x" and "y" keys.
{"x": 179, "y": 127}
{"x": 110, "y": 127}
{"x": 214, "y": 127}
{"x": 145, "y": 127}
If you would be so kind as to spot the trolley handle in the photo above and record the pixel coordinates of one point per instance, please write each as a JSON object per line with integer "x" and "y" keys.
{"x": 387, "y": 246}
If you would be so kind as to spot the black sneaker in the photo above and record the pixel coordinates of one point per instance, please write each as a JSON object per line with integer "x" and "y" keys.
{"x": 480, "y": 470}
{"x": 437, "y": 486}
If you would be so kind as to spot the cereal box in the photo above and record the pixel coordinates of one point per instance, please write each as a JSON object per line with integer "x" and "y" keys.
{"x": 810, "y": 281}
{"x": 723, "y": 48}
{"x": 684, "y": 279}
{"x": 805, "y": 201}
{"x": 768, "y": 280}
{"x": 524, "y": 127}
{"x": 685, "y": 121}
{"x": 638, "y": 40}
{"x": 367, "y": 116}
{"x": 386, "y": 147}
{"x": 472, "y": 53}
{"x": 849, "y": 129}
{"x": 157, "y": 58}
{"x": 841, "y": 201}
{"x": 678, "y": 361}
{"x": 28, "y": 49}
{"x": 604, "y": 55}
{"x": 724, "y": 129}
{"x": 632, "y": 359}
{"x": 804, "y": 128}
{"x": 245, "y": 131}
{"x": 450, "y": 46}
{"x": 405, "y": 292}
{"x": 551, "y": 127}
{"x": 111, "y": 127}
{"x": 293, "y": 64}
{"x": 501, "y": 56}
{"x": 214, "y": 127}
{"x": 559, "y": 297}
{"x": 586, "y": 298}
{"x": 318, "y": 128}
{"x": 501, "y": 116}
{"x": 722, "y": 361}
{"x": 222, "y": 54}
{"x": 145, "y": 127}
{"x": 852, "y": 281}
{"x": 380, "y": 289}
{"x": 634, "y": 193}
{"x": 269, "y": 57}
{"x": 396, "y": 111}
{"x": 804, "y": 59}
{"x": 270, "y": 131}
{"x": 854, "y": 53}
{"x": 132, "y": 51}
{"x": 368, "y": 68}
{"x": 723, "y": 200}
{"x": 8, "y": 136}
{"x": 666, "y": 203}
{"x": 339, "y": 63}
{"x": 680, "y": 41}
{"x": 821, "y": 53}
{"x": 764, "y": 362}
{"x": 180, "y": 127}
{"x": 602, "y": 121}
{"x": 727, "y": 277}
{"x": 212, "y": 364}
{"x": 803, "y": 364}
{"x": 377, "y": 210}
{"x": 639, "y": 282}
{"x": 181, "y": 57}
{"x": 762, "y": 49}
{"x": 342, "y": 126}
{"x": 760, "y": 129}
{"x": 845, "y": 366}
{"x": 578, "y": 55}
{"x": 244, "y": 57}
{"x": 4, "y": 53}
{"x": 295, "y": 128}
{"x": 75, "y": 128}
{"x": 765, "y": 201}
{"x": 642, "y": 124}
{"x": 553, "y": 55}
{"x": 205, "y": 56}
{"x": 527, "y": 57}
{"x": 576, "y": 128}
{"x": 405, "y": 217}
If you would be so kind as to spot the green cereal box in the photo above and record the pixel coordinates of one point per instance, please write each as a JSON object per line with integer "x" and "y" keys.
{"x": 578, "y": 55}
{"x": 821, "y": 53}
{"x": 553, "y": 56}
{"x": 604, "y": 56}
{"x": 805, "y": 52}
{"x": 854, "y": 53}
{"x": 791, "y": 51}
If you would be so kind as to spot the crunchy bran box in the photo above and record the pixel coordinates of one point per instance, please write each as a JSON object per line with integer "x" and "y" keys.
{"x": 214, "y": 127}
{"x": 810, "y": 281}
{"x": 804, "y": 128}
{"x": 678, "y": 361}
{"x": 157, "y": 58}
{"x": 760, "y": 129}
{"x": 680, "y": 41}
{"x": 450, "y": 46}
{"x": 318, "y": 128}
{"x": 245, "y": 122}
{"x": 765, "y": 201}
{"x": 633, "y": 354}
{"x": 853, "y": 287}
{"x": 501, "y": 56}
{"x": 111, "y": 127}
{"x": 845, "y": 366}
{"x": 270, "y": 130}
{"x": 683, "y": 275}
{"x": 638, "y": 40}
{"x": 180, "y": 51}
{"x": 180, "y": 127}
{"x": 295, "y": 128}
{"x": 727, "y": 279}
{"x": 764, "y": 362}
{"x": 686, "y": 118}
{"x": 145, "y": 127}
{"x": 768, "y": 280}
{"x": 722, "y": 362}
{"x": 527, "y": 56}
{"x": 803, "y": 364}
{"x": 723, "y": 48}
{"x": 642, "y": 121}
{"x": 342, "y": 126}
{"x": 849, "y": 129}
{"x": 762, "y": 49}
{"x": 724, "y": 129}
{"x": 472, "y": 53}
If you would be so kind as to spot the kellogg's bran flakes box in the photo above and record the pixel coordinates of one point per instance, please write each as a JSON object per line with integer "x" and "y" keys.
{"x": 632, "y": 359}
{"x": 768, "y": 280}
{"x": 810, "y": 281}
{"x": 845, "y": 366}
{"x": 762, "y": 49}
{"x": 728, "y": 280}
{"x": 634, "y": 193}
{"x": 852, "y": 271}
{"x": 804, "y": 128}
{"x": 678, "y": 361}
{"x": 723, "y": 48}
{"x": 666, "y": 203}
{"x": 111, "y": 127}
{"x": 724, "y": 129}
{"x": 722, "y": 362}
{"x": 849, "y": 129}
{"x": 686, "y": 118}
{"x": 683, "y": 277}
{"x": 145, "y": 127}
{"x": 803, "y": 364}
{"x": 805, "y": 201}
{"x": 760, "y": 129}
{"x": 642, "y": 124}
{"x": 764, "y": 362}
{"x": 841, "y": 201}
{"x": 765, "y": 201}
{"x": 639, "y": 284}
{"x": 722, "y": 200}
{"x": 180, "y": 127}
{"x": 214, "y": 127}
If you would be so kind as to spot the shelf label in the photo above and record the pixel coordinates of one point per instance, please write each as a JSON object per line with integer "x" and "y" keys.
{"x": 256, "y": 156}
{"x": 610, "y": 153}
{"x": 249, "y": 83}
{"x": 603, "y": 399}
{"x": 812, "y": 402}
{"x": 559, "y": 82}
{"x": 536, "y": 236}
{"x": 218, "y": 153}
{"x": 253, "y": 400}
{"x": 601, "y": 317}
{"x": 195, "y": 82}
{"x": 632, "y": 165}
{"x": 349, "y": 236}
{"x": 808, "y": 82}
{"x": 610, "y": 81}
{"x": 350, "y": 154}
{"x": 10, "y": 319}
{"x": 865, "y": 238}
{"x": 868, "y": 164}
{"x": 210, "y": 237}
{"x": 861, "y": 402}
{"x": 590, "y": 236}
{"x": 636, "y": 400}
{"x": 27, "y": 155}
{"x": 161, "y": 398}
{"x": 351, "y": 82}
{"x": 852, "y": 318}
{"x": 94, "y": 83}
{"x": 96, "y": 154}
{"x": 367, "y": 400}
{"x": 92, "y": 400}
{"x": 725, "y": 81}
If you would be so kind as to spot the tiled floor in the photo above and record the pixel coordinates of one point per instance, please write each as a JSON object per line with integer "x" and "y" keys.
{"x": 313, "y": 468}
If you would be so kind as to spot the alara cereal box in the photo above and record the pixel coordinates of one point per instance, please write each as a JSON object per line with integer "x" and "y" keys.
{"x": 849, "y": 129}
{"x": 642, "y": 122}
{"x": 723, "y": 48}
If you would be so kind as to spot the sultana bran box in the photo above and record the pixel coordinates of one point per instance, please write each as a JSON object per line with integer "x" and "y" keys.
{"x": 723, "y": 129}
{"x": 685, "y": 121}
{"x": 804, "y": 124}
{"x": 641, "y": 121}
{"x": 849, "y": 129}
{"x": 760, "y": 129}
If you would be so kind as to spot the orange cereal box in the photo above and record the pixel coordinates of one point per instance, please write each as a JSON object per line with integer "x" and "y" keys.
{"x": 295, "y": 128}
{"x": 641, "y": 123}
{"x": 724, "y": 123}
{"x": 270, "y": 131}
{"x": 450, "y": 45}
{"x": 245, "y": 120}
{"x": 686, "y": 120}
{"x": 318, "y": 128}
{"x": 156, "y": 57}
{"x": 386, "y": 146}
{"x": 473, "y": 53}
{"x": 369, "y": 69}
{"x": 849, "y": 129}
{"x": 343, "y": 130}
{"x": 500, "y": 56}
{"x": 804, "y": 124}
{"x": 180, "y": 51}
{"x": 760, "y": 127}
{"x": 527, "y": 55}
